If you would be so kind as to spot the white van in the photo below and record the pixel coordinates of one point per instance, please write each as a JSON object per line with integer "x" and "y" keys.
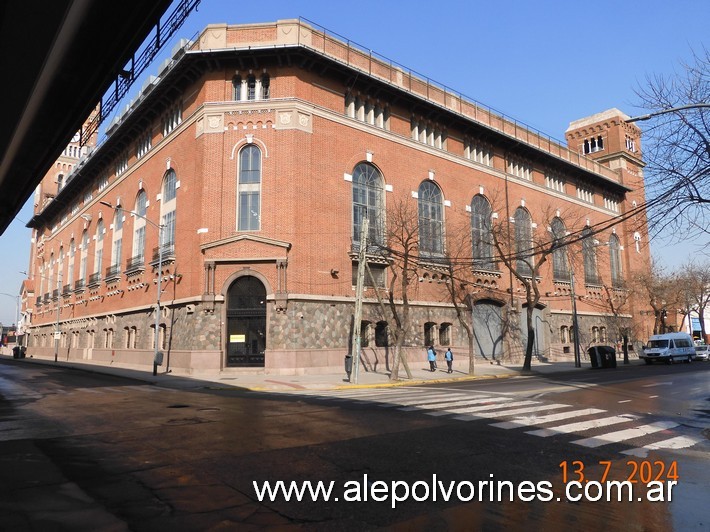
{"x": 668, "y": 348}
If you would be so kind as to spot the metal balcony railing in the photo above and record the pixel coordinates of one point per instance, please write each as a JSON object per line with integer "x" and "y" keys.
{"x": 39, "y": 300}
{"x": 168, "y": 253}
{"x": 113, "y": 272}
{"x": 135, "y": 264}
{"x": 55, "y": 293}
{"x": 79, "y": 285}
{"x": 94, "y": 279}
{"x": 66, "y": 289}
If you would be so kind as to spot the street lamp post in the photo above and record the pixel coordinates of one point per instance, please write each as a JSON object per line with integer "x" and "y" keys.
{"x": 666, "y": 111}
{"x": 157, "y": 356}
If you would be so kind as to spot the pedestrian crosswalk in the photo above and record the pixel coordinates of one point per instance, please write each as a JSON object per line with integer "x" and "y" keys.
{"x": 595, "y": 427}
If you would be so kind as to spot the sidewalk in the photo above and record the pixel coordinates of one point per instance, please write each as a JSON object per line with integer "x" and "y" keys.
{"x": 257, "y": 380}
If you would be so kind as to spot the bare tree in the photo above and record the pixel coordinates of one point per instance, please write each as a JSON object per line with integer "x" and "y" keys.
{"x": 459, "y": 284}
{"x": 696, "y": 286}
{"x": 661, "y": 291}
{"x": 402, "y": 237}
{"x": 677, "y": 149}
{"x": 524, "y": 249}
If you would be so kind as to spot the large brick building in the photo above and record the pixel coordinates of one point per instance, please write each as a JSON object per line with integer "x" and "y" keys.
{"x": 259, "y": 149}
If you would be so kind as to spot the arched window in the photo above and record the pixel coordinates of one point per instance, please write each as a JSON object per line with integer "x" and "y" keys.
{"x": 84, "y": 256}
{"x": 445, "y": 334}
{"x": 560, "y": 266}
{"x": 430, "y": 333}
{"x": 368, "y": 202}
{"x": 139, "y": 229}
{"x": 431, "y": 219}
{"x": 265, "y": 87}
{"x": 564, "y": 334}
{"x": 99, "y": 250}
{"x": 117, "y": 245}
{"x": 523, "y": 241}
{"x": 251, "y": 87}
{"x": 249, "y": 189}
{"x": 167, "y": 208}
{"x": 589, "y": 254}
{"x": 382, "y": 334}
{"x": 237, "y": 88}
{"x": 70, "y": 268}
{"x": 481, "y": 234}
{"x": 60, "y": 182}
{"x": 615, "y": 261}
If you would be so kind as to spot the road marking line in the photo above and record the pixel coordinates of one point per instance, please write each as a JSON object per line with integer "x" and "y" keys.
{"x": 679, "y": 442}
{"x": 628, "y": 434}
{"x": 580, "y": 426}
{"x": 516, "y": 411}
{"x": 422, "y": 399}
{"x": 506, "y": 412}
{"x": 625, "y": 401}
{"x": 665, "y": 383}
{"x": 652, "y": 396}
{"x": 488, "y": 404}
{"x": 431, "y": 405}
{"x": 541, "y": 420}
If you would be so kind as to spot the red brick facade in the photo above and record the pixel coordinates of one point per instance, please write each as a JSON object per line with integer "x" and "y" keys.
{"x": 327, "y": 109}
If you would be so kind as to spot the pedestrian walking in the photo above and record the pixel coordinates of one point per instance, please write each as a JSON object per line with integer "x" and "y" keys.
{"x": 449, "y": 356}
{"x": 431, "y": 356}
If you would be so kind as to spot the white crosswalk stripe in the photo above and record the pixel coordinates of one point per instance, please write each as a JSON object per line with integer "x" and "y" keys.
{"x": 679, "y": 442}
{"x": 506, "y": 413}
{"x": 439, "y": 405}
{"x": 541, "y": 420}
{"x": 623, "y": 435}
{"x": 515, "y": 413}
{"x": 581, "y": 426}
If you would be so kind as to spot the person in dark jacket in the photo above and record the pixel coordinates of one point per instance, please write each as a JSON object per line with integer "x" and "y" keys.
{"x": 431, "y": 356}
{"x": 449, "y": 356}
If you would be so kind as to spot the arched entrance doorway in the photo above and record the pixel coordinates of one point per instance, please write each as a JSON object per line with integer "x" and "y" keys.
{"x": 488, "y": 328}
{"x": 246, "y": 322}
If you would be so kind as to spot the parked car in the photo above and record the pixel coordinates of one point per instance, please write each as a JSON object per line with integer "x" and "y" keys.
{"x": 702, "y": 352}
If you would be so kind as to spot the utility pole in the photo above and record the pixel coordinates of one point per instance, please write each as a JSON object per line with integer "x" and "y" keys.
{"x": 575, "y": 325}
{"x": 57, "y": 333}
{"x": 359, "y": 290}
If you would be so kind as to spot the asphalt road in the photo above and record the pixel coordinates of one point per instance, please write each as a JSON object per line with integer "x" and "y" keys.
{"x": 84, "y": 451}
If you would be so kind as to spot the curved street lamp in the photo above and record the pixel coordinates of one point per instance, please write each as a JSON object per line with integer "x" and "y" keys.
{"x": 666, "y": 111}
{"x": 157, "y": 355}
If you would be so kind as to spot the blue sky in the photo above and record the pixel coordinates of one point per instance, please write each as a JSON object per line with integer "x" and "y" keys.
{"x": 543, "y": 63}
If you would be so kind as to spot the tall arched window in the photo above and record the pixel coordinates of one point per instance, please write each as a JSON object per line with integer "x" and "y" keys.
{"x": 167, "y": 208}
{"x": 117, "y": 245}
{"x": 251, "y": 87}
{"x": 84, "y": 257}
{"x": 431, "y": 219}
{"x": 139, "y": 228}
{"x": 237, "y": 88}
{"x": 249, "y": 189}
{"x": 481, "y": 234}
{"x": 99, "y": 250}
{"x": 523, "y": 241}
{"x": 368, "y": 202}
{"x": 589, "y": 254}
{"x": 265, "y": 87}
{"x": 61, "y": 280}
{"x": 70, "y": 268}
{"x": 615, "y": 261}
{"x": 560, "y": 266}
